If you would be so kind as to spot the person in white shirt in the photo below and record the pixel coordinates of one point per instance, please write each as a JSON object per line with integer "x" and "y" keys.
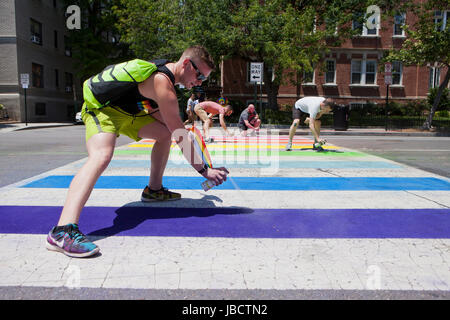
{"x": 315, "y": 107}
{"x": 193, "y": 100}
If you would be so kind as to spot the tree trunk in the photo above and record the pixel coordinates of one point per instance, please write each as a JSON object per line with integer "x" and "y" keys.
{"x": 271, "y": 90}
{"x": 437, "y": 99}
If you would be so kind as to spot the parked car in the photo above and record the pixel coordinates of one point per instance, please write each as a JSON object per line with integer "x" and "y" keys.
{"x": 78, "y": 119}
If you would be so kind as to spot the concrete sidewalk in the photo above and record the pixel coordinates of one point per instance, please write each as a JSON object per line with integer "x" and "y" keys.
{"x": 282, "y": 129}
{"x": 16, "y": 126}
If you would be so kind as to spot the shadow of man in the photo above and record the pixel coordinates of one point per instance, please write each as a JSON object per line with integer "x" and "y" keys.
{"x": 133, "y": 214}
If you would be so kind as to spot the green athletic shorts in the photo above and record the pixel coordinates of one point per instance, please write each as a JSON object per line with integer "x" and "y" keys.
{"x": 114, "y": 120}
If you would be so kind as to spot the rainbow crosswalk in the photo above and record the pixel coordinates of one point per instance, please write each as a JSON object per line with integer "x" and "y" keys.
{"x": 300, "y": 220}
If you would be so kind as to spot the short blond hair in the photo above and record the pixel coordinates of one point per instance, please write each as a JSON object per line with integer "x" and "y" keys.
{"x": 199, "y": 52}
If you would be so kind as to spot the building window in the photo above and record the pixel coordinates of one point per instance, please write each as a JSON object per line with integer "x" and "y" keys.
{"x": 361, "y": 26}
{"x": 356, "y": 71}
{"x": 40, "y": 109}
{"x": 331, "y": 26}
{"x": 435, "y": 77}
{"x": 371, "y": 71}
{"x": 397, "y": 73}
{"x": 56, "y": 78}
{"x": 363, "y": 72}
{"x": 399, "y": 22}
{"x": 55, "y": 39}
{"x": 330, "y": 75}
{"x": 69, "y": 81}
{"x": 441, "y": 19}
{"x": 37, "y": 71}
{"x": 36, "y": 32}
{"x": 308, "y": 77}
{"x": 67, "y": 47}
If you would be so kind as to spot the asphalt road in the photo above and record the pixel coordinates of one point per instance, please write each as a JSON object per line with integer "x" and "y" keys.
{"x": 431, "y": 154}
{"x": 26, "y": 153}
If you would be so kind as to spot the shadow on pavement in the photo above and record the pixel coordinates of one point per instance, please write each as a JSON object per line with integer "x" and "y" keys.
{"x": 133, "y": 214}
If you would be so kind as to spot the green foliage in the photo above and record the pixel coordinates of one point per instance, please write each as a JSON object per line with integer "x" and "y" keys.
{"x": 426, "y": 42}
{"x": 444, "y": 103}
{"x": 278, "y": 32}
{"x": 277, "y": 117}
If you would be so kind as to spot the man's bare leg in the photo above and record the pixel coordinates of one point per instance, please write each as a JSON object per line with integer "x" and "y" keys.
{"x": 100, "y": 149}
{"x": 293, "y": 129}
{"x": 160, "y": 151}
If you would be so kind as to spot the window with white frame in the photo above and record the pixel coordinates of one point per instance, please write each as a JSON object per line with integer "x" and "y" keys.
{"x": 330, "y": 75}
{"x": 331, "y": 25}
{"x": 363, "y": 72}
{"x": 441, "y": 19}
{"x": 371, "y": 71}
{"x": 399, "y": 22}
{"x": 308, "y": 77}
{"x": 362, "y": 28}
{"x": 397, "y": 71}
{"x": 435, "y": 77}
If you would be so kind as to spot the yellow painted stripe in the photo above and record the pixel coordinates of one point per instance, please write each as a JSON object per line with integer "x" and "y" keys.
{"x": 233, "y": 146}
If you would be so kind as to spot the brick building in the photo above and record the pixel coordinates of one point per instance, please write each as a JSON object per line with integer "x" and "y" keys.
{"x": 352, "y": 71}
{"x": 33, "y": 41}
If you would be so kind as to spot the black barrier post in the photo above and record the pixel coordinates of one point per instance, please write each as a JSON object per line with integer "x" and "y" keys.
{"x": 26, "y": 109}
{"x": 386, "y": 107}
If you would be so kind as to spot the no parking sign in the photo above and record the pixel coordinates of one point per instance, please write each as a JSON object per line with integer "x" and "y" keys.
{"x": 388, "y": 73}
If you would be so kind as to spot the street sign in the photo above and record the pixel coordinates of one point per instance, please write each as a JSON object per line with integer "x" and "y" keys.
{"x": 388, "y": 73}
{"x": 256, "y": 71}
{"x": 387, "y": 79}
{"x": 25, "y": 80}
{"x": 388, "y": 67}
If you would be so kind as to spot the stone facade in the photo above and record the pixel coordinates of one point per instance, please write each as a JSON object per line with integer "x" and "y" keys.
{"x": 32, "y": 38}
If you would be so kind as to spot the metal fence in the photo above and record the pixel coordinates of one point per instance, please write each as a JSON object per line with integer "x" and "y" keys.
{"x": 359, "y": 119}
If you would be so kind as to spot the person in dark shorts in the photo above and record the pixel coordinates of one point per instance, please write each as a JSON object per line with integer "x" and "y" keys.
{"x": 315, "y": 107}
{"x": 249, "y": 120}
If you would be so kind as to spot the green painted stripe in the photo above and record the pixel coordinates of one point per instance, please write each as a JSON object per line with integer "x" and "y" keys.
{"x": 250, "y": 153}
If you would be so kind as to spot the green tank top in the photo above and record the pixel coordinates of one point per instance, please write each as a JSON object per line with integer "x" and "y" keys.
{"x": 117, "y": 85}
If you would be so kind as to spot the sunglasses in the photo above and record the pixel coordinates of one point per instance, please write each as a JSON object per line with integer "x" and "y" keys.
{"x": 200, "y": 76}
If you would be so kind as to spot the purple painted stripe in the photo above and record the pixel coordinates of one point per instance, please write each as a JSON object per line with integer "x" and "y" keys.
{"x": 236, "y": 222}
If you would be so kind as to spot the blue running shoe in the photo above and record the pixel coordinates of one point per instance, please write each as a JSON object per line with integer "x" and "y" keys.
{"x": 71, "y": 241}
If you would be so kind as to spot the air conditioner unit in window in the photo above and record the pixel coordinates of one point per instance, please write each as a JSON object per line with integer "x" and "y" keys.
{"x": 68, "y": 89}
{"x": 35, "y": 39}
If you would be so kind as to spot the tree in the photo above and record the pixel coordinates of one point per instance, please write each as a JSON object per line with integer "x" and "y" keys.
{"x": 280, "y": 33}
{"x": 427, "y": 43}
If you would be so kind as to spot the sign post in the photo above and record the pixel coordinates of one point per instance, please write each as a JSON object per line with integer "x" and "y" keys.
{"x": 25, "y": 81}
{"x": 387, "y": 81}
{"x": 256, "y": 75}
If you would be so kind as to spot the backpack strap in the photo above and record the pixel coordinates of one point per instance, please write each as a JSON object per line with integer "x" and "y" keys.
{"x": 161, "y": 65}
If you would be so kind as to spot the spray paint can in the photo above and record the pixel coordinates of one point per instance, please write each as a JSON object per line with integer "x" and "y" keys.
{"x": 208, "y": 184}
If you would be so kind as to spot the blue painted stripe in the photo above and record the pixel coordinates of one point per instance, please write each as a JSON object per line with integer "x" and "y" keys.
{"x": 258, "y": 183}
{"x": 236, "y": 222}
{"x": 260, "y": 163}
